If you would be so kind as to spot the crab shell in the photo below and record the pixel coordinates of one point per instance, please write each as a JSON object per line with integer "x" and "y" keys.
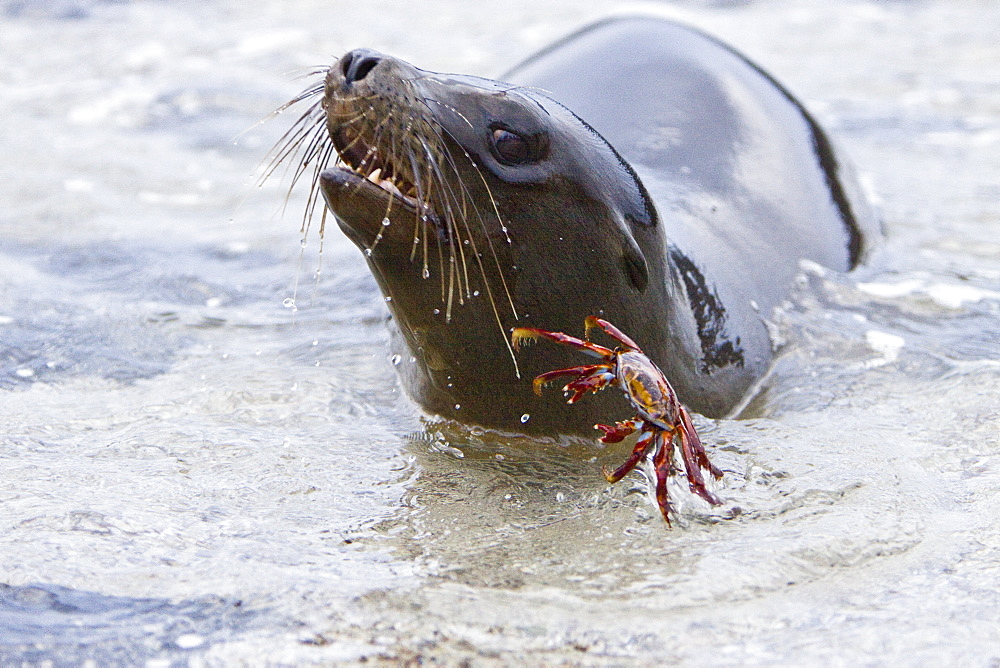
{"x": 647, "y": 389}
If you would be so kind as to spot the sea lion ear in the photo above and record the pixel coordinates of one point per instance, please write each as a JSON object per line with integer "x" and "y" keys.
{"x": 634, "y": 263}
{"x": 637, "y": 212}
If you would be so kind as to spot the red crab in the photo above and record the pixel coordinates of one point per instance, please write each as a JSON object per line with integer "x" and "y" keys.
{"x": 660, "y": 417}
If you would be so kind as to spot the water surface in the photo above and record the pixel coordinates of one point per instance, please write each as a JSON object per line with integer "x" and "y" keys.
{"x": 206, "y": 456}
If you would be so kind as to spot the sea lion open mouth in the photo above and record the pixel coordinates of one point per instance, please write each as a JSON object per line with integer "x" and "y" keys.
{"x": 365, "y": 160}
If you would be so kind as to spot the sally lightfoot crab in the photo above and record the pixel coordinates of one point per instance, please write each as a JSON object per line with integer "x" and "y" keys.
{"x": 660, "y": 418}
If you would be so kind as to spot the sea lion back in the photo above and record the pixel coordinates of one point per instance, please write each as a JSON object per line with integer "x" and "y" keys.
{"x": 742, "y": 176}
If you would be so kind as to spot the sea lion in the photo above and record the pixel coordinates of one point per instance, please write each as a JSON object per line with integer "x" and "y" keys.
{"x": 637, "y": 170}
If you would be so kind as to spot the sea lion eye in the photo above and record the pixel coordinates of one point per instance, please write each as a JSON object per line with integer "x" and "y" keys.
{"x": 511, "y": 148}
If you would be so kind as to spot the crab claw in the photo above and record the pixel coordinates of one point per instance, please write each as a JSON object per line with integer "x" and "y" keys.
{"x": 581, "y": 372}
{"x": 616, "y": 433}
{"x": 600, "y": 378}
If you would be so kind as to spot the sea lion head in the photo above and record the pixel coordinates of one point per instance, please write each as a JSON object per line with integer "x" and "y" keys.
{"x": 481, "y": 206}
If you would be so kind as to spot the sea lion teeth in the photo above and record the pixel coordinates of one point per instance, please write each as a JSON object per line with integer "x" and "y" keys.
{"x": 389, "y": 186}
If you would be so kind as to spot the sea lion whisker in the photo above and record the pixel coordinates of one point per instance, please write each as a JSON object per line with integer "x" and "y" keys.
{"x": 486, "y": 234}
{"x": 426, "y": 200}
{"x": 315, "y": 194}
{"x": 309, "y": 71}
{"x": 417, "y": 233}
{"x": 448, "y": 214}
{"x": 290, "y": 141}
{"x": 322, "y": 232}
{"x": 314, "y": 140}
{"x": 299, "y": 98}
{"x": 451, "y": 287}
{"x": 424, "y": 222}
{"x": 317, "y": 154}
{"x": 304, "y": 95}
{"x": 451, "y": 109}
{"x": 477, "y": 254}
{"x": 314, "y": 146}
{"x": 360, "y": 116}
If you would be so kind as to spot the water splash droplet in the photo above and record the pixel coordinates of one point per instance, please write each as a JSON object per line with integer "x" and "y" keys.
{"x": 458, "y": 406}
{"x": 386, "y": 222}
{"x": 288, "y": 302}
{"x": 525, "y": 418}
{"x": 395, "y": 359}
{"x": 437, "y": 311}
{"x": 426, "y": 273}
{"x": 388, "y": 299}
{"x": 368, "y": 252}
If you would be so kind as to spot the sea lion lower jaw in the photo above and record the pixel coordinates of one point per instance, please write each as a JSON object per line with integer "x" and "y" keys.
{"x": 482, "y": 206}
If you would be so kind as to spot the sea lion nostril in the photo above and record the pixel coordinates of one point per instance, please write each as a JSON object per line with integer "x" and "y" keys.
{"x": 358, "y": 63}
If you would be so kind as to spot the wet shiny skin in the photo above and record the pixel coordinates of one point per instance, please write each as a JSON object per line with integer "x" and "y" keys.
{"x": 184, "y": 452}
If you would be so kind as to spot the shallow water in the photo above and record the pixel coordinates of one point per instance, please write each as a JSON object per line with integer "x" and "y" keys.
{"x": 206, "y": 457}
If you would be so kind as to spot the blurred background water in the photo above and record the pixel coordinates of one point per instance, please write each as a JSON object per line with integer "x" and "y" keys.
{"x": 206, "y": 458}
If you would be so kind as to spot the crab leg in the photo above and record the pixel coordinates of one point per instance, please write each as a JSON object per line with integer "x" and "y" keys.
{"x": 687, "y": 427}
{"x": 695, "y": 459}
{"x": 520, "y": 334}
{"x": 640, "y": 449}
{"x": 593, "y": 321}
{"x": 662, "y": 461}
